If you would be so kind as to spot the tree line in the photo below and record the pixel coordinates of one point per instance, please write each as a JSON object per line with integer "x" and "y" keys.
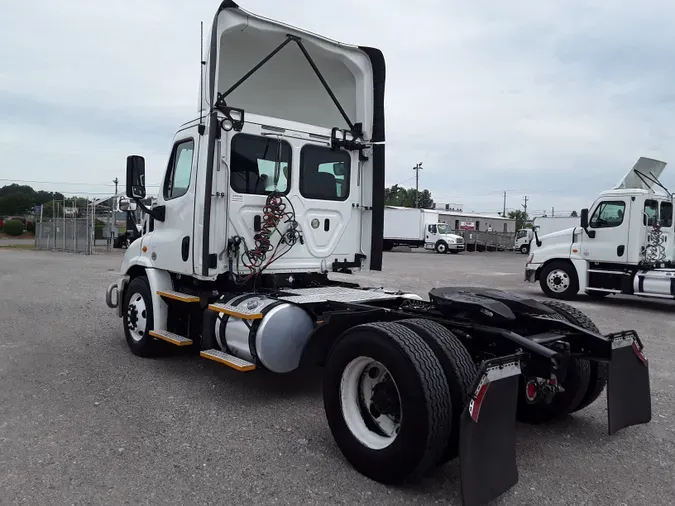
{"x": 20, "y": 200}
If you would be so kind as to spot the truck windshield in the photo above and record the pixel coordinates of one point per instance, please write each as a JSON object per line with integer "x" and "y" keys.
{"x": 443, "y": 228}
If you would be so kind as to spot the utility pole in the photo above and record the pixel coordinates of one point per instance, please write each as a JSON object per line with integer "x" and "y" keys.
{"x": 525, "y": 199}
{"x": 417, "y": 168}
{"x": 504, "y": 210}
{"x": 114, "y": 206}
{"x": 553, "y": 212}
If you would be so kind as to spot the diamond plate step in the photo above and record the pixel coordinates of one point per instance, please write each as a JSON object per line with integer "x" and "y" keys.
{"x": 180, "y": 297}
{"x": 170, "y": 337}
{"x": 227, "y": 359}
{"x": 237, "y": 311}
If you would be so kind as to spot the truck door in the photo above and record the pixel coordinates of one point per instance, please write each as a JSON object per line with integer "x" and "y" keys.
{"x": 610, "y": 221}
{"x": 170, "y": 244}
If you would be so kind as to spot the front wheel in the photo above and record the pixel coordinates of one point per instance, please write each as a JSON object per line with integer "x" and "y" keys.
{"x": 387, "y": 402}
{"x": 558, "y": 280}
{"x": 441, "y": 247}
{"x": 525, "y": 249}
{"x": 138, "y": 317}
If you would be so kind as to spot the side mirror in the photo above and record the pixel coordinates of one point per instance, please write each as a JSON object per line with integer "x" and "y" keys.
{"x": 135, "y": 177}
{"x": 339, "y": 168}
{"x": 584, "y": 224}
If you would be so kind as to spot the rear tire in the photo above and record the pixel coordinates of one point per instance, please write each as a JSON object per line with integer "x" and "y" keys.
{"x": 558, "y": 280}
{"x": 599, "y": 372}
{"x": 424, "y": 398}
{"x": 459, "y": 368}
{"x": 137, "y": 316}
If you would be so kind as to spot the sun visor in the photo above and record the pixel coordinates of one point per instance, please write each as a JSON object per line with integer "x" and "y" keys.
{"x": 642, "y": 174}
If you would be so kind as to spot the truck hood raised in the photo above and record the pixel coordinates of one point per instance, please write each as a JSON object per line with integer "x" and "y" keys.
{"x": 640, "y": 174}
{"x": 286, "y": 86}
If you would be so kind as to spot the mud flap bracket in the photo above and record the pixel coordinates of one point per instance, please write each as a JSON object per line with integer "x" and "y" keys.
{"x": 628, "y": 391}
{"x": 487, "y": 448}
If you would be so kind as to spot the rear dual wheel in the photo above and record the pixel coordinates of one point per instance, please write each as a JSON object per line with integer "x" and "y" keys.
{"x": 391, "y": 397}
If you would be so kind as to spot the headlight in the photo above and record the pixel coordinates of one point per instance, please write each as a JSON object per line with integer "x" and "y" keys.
{"x": 452, "y": 240}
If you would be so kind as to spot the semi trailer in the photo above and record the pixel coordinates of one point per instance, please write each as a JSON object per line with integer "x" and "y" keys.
{"x": 623, "y": 245}
{"x": 413, "y": 227}
{"x": 278, "y": 182}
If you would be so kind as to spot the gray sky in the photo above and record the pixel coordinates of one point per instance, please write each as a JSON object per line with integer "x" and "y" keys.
{"x": 554, "y": 100}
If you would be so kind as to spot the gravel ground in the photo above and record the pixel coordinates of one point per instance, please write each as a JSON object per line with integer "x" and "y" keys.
{"x": 83, "y": 421}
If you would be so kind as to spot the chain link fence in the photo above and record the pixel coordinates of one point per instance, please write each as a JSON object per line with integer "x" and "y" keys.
{"x": 78, "y": 225}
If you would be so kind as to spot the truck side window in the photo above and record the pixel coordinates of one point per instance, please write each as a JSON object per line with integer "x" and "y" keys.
{"x": 608, "y": 214}
{"x": 432, "y": 229}
{"x": 178, "y": 174}
{"x": 666, "y": 214}
{"x": 324, "y": 173}
{"x": 253, "y": 165}
{"x": 651, "y": 213}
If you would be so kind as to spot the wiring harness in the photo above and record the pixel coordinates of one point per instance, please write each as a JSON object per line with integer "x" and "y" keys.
{"x": 277, "y": 217}
{"x": 655, "y": 251}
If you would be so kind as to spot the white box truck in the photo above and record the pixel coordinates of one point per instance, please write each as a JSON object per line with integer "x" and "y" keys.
{"x": 622, "y": 245}
{"x": 544, "y": 225}
{"x": 273, "y": 185}
{"x": 413, "y": 227}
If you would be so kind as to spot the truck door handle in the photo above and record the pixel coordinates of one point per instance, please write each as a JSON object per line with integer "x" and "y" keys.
{"x": 185, "y": 248}
{"x": 256, "y": 223}
{"x": 326, "y": 224}
{"x": 620, "y": 250}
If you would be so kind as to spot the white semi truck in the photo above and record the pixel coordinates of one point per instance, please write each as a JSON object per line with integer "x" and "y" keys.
{"x": 277, "y": 182}
{"x": 543, "y": 225}
{"x": 406, "y": 226}
{"x": 624, "y": 243}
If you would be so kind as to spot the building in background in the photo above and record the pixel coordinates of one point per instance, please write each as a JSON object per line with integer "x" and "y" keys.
{"x": 460, "y": 220}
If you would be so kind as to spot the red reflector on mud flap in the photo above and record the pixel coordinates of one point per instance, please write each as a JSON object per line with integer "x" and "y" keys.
{"x": 492, "y": 374}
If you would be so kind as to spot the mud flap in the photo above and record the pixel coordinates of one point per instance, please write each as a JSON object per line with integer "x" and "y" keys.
{"x": 487, "y": 447}
{"x": 628, "y": 393}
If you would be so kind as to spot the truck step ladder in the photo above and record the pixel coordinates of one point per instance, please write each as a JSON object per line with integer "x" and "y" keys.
{"x": 170, "y": 337}
{"x": 236, "y": 311}
{"x": 180, "y": 297}
{"x": 227, "y": 359}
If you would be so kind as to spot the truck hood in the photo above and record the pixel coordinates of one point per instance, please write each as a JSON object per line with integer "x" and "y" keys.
{"x": 452, "y": 236}
{"x": 638, "y": 176}
{"x": 557, "y": 241}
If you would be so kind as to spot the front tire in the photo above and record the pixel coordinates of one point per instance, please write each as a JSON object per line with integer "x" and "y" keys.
{"x": 525, "y": 249}
{"x": 558, "y": 280}
{"x": 387, "y": 402}
{"x": 138, "y": 317}
{"x": 441, "y": 247}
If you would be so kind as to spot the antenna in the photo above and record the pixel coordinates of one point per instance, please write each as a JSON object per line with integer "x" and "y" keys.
{"x": 201, "y": 80}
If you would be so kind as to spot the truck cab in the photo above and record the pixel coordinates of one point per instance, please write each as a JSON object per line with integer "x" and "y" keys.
{"x": 439, "y": 237}
{"x": 624, "y": 244}
{"x": 524, "y": 237}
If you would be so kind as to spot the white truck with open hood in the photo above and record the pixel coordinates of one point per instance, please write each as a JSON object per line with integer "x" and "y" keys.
{"x": 623, "y": 245}
{"x": 277, "y": 183}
